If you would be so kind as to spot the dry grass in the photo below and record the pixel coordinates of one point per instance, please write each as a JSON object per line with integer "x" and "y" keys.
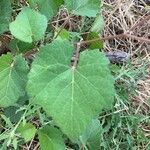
{"x": 121, "y": 17}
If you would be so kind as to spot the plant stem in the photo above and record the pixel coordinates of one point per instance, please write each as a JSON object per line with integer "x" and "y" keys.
{"x": 78, "y": 45}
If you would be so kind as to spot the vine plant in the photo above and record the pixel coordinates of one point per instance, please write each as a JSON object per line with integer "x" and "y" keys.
{"x": 67, "y": 80}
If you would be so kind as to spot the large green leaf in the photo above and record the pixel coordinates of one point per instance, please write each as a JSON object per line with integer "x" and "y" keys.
{"x": 51, "y": 139}
{"x": 92, "y": 135}
{"x": 5, "y": 15}
{"x": 47, "y": 7}
{"x": 87, "y": 8}
{"x": 13, "y": 78}
{"x": 71, "y": 96}
{"x": 29, "y": 25}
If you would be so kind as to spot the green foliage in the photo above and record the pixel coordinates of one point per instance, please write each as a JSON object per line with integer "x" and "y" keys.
{"x": 96, "y": 44}
{"x": 82, "y": 92}
{"x": 13, "y": 77}
{"x": 91, "y": 138}
{"x": 68, "y": 104}
{"x": 47, "y": 7}
{"x": 17, "y": 46}
{"x": 5, "y": 15}
{"x": 98, "y": 24}
{"x": 27, "y": 131}
{"x": 12, "y": 114}
{"x": 88, "y": 8}
{"x": 50, "y": 138}
{"x": 61, "y": 97}
{"x": 64, "y": 34}
{"x": 29, "y": 26}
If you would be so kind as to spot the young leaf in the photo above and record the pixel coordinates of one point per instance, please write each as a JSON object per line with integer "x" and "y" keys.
{"x": 10, "y": 112}
{"x": 27, "y": 131}
{"x": 5, "y": 15}
{"x": 63, "y": 34}
{"x": 97, "y": 44}
{"x": 87, "y": 8}
{"x": 71, "y": 96}
{"x": 17, "y": 46}
{"x": 92, "y": 135}
{"x": 29, "y": 25}
{"x": 50, "y": 139}
{"x": 15, "y": 143}
{"x": 13, "y": 78}
{"x": 98, "y": 24}
{"x": 49, "y": 8}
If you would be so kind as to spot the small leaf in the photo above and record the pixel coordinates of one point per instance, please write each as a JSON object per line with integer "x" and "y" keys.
{"x": 29, "y": 25}
{"x": 5, "y": 15}
{"x": 3, "y": 136}
{"x": 17, "y": 46}
{"x": 49, "y": 8}
{"x": 64, "y": 34}
{"x": 98, "y": 24}
{"x": 92, "y": 135}
{"x": 13, "y": 78}
{"x": 15, "y": 143}
{"x": 50, "y": 139}
{"x": 27, "y": 131}
{"x": 87, "y": 8}
{"x": 95, "y": 44}
{"x": 4, "y": 146}
{"x": 71, "y": 96}
{"x": 7, "y": 120}
{"x": 10, "y": 112}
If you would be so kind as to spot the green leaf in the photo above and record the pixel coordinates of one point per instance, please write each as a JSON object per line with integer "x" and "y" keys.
{"x": 49, "y": 8}
{"x": 71, "y": 96}
{"x": 17, "y": 46}
{"x": 95, "y": 44}
{"x": 98, "y": 24}
{"x": 13, "y": 78}
{"x": 5, "y": 15}
{"x": 10, "y": 112}
{"x": 92, "y": 135}
{"x": 50, "y": 139}
{"x": 29, "y": 25}
{"x": 87, "y": 8}
{"x": 4, "y": 146}
{"x": 63, "y": 34}
{"x": 15, "y": 143}
{"x": 7, "y": 121}
{"x": 27, "y": 131}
